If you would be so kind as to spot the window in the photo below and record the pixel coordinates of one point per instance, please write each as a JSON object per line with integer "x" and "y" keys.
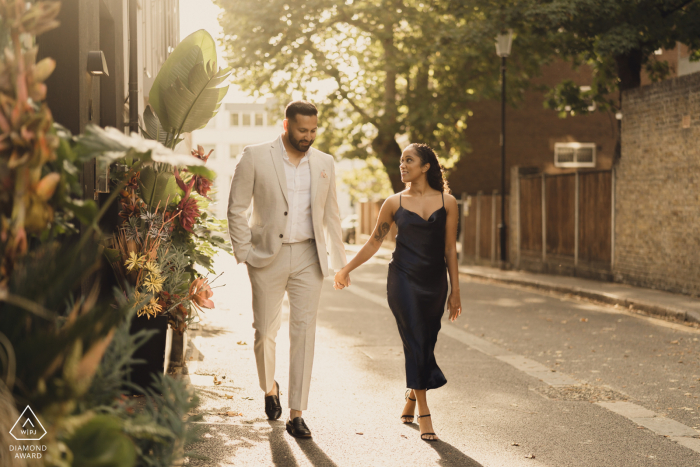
{"x": 574, "y": 154}
{"x": 246, "y": 119}
{"x": 234, "y": 119}
{"x": 258, "y": 119}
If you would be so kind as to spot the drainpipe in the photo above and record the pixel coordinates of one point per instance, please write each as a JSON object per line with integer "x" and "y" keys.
{"x": 133, "y": 68}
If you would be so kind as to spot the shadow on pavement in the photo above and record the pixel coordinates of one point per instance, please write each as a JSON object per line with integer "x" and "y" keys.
{"x": 210, "y": 331}
{"x": 282, "y": 455}
{"x": 314, "y": 454}
{"x": 449, "y": 455}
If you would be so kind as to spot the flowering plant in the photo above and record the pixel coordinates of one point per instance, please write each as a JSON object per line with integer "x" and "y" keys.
{"x": 160, "y": 242}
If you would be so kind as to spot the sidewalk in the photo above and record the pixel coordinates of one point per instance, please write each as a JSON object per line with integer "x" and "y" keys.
{"x": 653, "y": 302}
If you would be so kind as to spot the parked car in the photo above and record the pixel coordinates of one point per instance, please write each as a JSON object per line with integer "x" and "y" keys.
{"x": 348, "y": 225}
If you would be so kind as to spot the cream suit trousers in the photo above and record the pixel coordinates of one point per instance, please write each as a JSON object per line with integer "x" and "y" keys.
{"x": 295, "y": 269}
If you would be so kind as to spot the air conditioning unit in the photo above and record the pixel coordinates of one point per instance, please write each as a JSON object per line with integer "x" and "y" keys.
{"x": 574, "y": 154}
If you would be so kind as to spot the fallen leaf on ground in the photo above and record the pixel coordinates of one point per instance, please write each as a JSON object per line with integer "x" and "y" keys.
{"x": 248, "y": 398}
{"x": 404, "y": 436}
{"x": 216, "y": 381}
{"x": 583, "y": 320}
{"x": 241, "y": 343}
{"x": 359, "y": 433}
{"x": 229, "y": 397}
{"x": 515, "y": 444}
{"x": 230, "y": 413}
{"x": 530, "y": 456}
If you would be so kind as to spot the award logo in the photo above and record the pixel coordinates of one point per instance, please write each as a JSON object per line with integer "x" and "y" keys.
{"x": 28, "y": 427}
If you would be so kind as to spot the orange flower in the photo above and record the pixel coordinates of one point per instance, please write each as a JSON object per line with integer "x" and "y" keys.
{"x": 200, "y": 292}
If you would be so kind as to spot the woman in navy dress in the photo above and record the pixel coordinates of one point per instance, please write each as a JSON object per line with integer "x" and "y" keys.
{"x": 417, "y": 286}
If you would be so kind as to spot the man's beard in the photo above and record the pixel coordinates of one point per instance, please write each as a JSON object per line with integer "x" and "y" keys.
{"x": 297, "y": 144}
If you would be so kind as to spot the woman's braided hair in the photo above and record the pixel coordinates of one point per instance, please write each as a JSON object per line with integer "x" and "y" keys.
{"x": 435, "y": 174}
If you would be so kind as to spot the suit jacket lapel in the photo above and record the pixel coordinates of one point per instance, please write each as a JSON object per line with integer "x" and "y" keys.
{"x": 278, "y": 162}
{"x": 315, "y": 170}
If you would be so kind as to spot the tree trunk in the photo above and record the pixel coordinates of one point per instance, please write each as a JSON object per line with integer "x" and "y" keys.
{"x": 629, "y": 69}
{"x": 388, "y": 151}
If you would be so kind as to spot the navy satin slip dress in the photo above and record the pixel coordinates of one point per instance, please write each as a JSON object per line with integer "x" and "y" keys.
{"x": 417, "y": 290}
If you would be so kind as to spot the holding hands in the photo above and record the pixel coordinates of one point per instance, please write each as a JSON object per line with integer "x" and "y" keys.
{"x": 341, "y": 280}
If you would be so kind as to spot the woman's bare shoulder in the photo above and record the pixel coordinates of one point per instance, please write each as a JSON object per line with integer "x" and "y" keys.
{"x": 450, "y": 201}
{"x": 393, "y": 200}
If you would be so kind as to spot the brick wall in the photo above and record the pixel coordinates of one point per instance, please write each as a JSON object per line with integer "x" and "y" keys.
{"x": 657, "y": 218}
{"x": 531, "y": 132}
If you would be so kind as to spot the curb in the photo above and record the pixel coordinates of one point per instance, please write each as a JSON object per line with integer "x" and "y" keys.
{"x": 654, "y": 309}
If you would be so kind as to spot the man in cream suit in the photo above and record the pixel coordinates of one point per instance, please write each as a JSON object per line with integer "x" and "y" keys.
{"x": 292, "y": 187}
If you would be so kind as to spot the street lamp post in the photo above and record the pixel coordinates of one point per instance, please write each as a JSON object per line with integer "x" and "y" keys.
{"x": 503, "y": 44}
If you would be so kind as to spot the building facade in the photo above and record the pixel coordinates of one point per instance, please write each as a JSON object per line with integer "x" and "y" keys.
{"x": 236, "y": 126}
{"x": 135, "y": 36}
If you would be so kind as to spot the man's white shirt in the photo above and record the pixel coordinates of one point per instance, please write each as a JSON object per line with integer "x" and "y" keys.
{"x": 299, "y": 225}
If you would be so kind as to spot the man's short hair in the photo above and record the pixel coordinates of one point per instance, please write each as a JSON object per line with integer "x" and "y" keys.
{"x": 300, "y": 108}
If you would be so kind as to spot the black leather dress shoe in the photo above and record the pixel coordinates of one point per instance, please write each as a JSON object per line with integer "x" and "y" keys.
{"x": 273, "y": 409}
{"x": 298, "y": 428}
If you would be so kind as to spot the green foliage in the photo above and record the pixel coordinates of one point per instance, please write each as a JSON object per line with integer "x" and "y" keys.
{"x": 176, "y": 261}
{"x": 101, "y": 442}
{"x": 158, "y": 187}
{"x": 111, "y": 376}
{"x": 368, "y": 181}
{"x": 158, "y": 430}
{"x": 399, "y": 67}
{"x": 187, "y": 91}
{"x": 168, "y": 404}
{"x": 616, "y": 38}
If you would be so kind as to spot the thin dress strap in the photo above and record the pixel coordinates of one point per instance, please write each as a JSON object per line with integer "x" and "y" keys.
{"x": 443, "y": 198}
{"x": 399, "y": 200}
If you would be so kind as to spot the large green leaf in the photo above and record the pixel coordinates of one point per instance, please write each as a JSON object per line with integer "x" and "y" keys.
{"x": 197, "y": 47}
{"x": 186, "y": 93}
{"x": 158, "y": 189}
{"x": 152, "y": 127}
{"x": 191, "y": 107}
{"x": 111, "y": 144}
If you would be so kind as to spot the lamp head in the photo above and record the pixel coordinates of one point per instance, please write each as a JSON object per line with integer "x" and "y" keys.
{"x": 503, "y": 43}
{"x": 97, "y": 64}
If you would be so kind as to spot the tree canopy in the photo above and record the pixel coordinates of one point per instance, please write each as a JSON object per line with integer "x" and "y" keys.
{"x": 393, "y": 67}
{"x": 617, "y": 38}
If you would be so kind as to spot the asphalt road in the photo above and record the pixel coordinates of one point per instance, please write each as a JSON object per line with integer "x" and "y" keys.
{"x": 533, "y": 380}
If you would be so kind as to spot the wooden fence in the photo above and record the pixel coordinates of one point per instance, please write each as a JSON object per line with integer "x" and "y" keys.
{"x": 565, "y": 223}
{"x": 481, "y": 216}
{"x": 561, "y": 223}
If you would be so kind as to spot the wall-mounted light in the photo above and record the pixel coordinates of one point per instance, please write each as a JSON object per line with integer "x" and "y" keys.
{"x": 96, "y": 66}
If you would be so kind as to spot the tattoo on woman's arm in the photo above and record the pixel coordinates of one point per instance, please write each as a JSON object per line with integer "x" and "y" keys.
{"x": 382, "y": 231}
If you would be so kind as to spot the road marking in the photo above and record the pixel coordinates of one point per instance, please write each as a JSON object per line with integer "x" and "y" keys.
{"x": 659, "y": 424}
